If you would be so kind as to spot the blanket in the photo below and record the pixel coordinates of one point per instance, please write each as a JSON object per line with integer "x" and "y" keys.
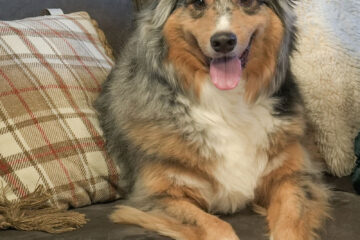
{"x": 327, "y": 68}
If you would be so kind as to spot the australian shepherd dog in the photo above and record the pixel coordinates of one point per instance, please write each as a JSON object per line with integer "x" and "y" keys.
{"x": 203, "y": 117}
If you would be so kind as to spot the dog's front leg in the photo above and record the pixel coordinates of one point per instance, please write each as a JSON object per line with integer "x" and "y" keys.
{"x": 296, "y": 201}
{"x": 210, "y": 227}
{"x": 179, "y": 219}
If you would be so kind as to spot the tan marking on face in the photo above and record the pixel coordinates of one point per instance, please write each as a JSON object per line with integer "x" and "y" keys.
{"x": 261, "y": 67}
{"x": 184, "y": 54}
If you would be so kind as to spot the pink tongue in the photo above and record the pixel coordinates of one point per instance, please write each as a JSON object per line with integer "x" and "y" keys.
{"x": 225, "y": 73}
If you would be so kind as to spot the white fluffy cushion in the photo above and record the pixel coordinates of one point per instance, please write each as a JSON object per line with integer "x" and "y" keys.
{"x": 327, "y": 66}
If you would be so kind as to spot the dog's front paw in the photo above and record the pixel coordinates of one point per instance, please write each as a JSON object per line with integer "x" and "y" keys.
{"x": 293, "y": 235}
{"x": 221, "y": 231}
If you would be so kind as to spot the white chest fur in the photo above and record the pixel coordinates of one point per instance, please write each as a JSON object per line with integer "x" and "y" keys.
{"x": 238, "y": 133}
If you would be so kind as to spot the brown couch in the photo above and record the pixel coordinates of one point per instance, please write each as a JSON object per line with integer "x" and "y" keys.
{"x": 115, "y": 18}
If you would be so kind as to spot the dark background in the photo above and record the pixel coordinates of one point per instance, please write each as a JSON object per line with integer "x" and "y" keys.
{"x": 115, "y": 17}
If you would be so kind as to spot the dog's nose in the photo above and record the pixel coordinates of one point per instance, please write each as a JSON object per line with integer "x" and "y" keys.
{"x": 223, "y": 42}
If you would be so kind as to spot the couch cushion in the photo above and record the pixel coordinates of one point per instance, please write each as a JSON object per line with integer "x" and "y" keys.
{"x": 248, "y": 225}
{"x": 51, "y": 69}
{"x": 343, "y": 184}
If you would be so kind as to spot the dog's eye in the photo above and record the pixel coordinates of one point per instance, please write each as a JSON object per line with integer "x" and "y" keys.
{"x": 199, "y": 4}
{"x": 246, "y": 3}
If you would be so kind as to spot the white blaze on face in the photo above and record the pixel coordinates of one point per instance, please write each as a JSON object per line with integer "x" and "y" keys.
{"x": 223, "y": 23}
{"x": 225, "y": 73}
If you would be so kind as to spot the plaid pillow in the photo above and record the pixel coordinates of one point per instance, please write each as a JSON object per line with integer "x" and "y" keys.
{"x": 51, "y": 69}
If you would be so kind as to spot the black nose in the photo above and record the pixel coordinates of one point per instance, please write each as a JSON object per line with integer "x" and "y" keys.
{"x": 223, "y": 42}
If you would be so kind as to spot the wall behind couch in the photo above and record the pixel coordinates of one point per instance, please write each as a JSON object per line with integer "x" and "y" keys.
{"x": 114, "y": 16}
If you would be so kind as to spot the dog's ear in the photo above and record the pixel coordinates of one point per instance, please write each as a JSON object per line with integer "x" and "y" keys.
{"x": 162, "y": 11}
{"x": 284, "y": 9}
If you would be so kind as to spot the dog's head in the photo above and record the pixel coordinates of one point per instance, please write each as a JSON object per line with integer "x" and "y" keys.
{"x": 228, "y": 40}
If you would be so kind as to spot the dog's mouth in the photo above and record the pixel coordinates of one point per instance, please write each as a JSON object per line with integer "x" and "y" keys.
{"x": 245, "y": 55}
{"x": 225, "y": 72}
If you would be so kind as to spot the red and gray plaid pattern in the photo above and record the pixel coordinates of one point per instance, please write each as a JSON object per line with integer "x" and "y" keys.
{"x": 51, "y": 69}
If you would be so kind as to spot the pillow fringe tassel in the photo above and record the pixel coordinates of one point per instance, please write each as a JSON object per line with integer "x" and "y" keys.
{"x": 34, "y": 213}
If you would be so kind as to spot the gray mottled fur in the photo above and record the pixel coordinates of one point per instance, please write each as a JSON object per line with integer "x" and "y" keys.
{"x": 141, "y": 88}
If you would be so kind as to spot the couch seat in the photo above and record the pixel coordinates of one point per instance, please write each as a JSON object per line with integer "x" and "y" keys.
{"x": 345, "y": 224}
